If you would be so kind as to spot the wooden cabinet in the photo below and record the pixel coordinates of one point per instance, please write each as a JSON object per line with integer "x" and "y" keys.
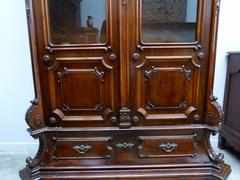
{"x": 123, "y": 89}
{"x": 230, "y": 132}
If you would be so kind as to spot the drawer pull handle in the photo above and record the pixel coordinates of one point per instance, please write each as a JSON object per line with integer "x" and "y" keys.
{"x": 82, "y": 149}
{"x": 168, "y": 147}
{"x": 125, "y": 145}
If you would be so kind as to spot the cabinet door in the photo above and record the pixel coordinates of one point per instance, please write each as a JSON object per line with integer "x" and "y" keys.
{"x": 169, "y": 45}
{"x": 81, "y": 57}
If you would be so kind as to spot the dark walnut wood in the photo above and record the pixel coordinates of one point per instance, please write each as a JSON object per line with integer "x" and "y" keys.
{"x": 111, "y": 106}
{"x": 230, "y": 132}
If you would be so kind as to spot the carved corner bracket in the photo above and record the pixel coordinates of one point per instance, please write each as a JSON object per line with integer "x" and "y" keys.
{"x": 193, "y": 113}
{"x": 216, "y": 158}
{"x": 215, "y": 112}
{"x": 34, "y": 162}
{"x": 33, "y": 116}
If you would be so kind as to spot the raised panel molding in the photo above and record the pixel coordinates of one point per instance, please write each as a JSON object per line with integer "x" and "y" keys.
{"x": 62, "y": 68}
{"x": 185, "y": 65}
{"x": 82, "y": 141}
{"x": 168, "y": 146}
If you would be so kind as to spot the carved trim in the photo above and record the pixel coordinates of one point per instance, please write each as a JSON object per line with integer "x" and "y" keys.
{"x": 125, "y": 145}
{"x": 183, "y": 69}
{"x": 215, "y": 112}
{"x": 98, "y": 108}
{"x": 33, "y": 117}
{"x": 65, "y": 71}
{"x": 151, "y": 106}
{"x": 217, "y": 158}
{"x": 125, "y": 119}
{"x": 34, "y": 162}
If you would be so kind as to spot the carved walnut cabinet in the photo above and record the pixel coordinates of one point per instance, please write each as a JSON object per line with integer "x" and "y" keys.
{"x": 123, "y": 89}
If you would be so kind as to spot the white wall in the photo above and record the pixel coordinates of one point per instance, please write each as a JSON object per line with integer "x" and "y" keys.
{"x": 228, "y": 40}
{"x": 16, "y": 86}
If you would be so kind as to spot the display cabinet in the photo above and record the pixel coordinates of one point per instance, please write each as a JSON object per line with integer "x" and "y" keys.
{"x": 123, "y": 89}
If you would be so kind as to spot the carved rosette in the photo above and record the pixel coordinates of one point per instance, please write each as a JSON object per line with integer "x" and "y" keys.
{"x": 33, "y": 116}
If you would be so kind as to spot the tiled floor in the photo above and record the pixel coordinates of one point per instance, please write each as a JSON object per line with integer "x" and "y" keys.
{"x": 12, "y": 158}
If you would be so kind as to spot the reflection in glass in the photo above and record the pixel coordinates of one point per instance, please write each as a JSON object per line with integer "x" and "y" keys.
{"x": 77, "y": 21}
{"x": 166, "y": 21}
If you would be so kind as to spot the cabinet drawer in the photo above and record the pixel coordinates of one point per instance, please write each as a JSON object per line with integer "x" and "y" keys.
{"x": 167, "y": 146}
{"x": 81, "y": 148}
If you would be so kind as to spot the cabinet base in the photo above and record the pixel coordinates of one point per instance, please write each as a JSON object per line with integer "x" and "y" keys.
{"x": 196, "y": 173}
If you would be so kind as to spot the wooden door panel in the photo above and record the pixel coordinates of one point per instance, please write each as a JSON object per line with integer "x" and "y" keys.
{"x": 81, "y": 61}
{"x": 167, "y": 66}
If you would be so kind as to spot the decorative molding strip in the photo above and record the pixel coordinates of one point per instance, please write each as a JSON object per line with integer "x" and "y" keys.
{"x": 98, "y": 108}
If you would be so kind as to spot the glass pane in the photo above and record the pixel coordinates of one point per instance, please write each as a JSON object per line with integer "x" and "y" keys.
{"x": 166, "y": 21}
{"x": 77, "y": 21}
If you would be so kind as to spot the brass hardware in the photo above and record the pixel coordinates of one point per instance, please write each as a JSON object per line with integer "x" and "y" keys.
{"x": 136, "y": 56}
{"x": 201, "y": 55}
{"x": 125, "y": 145}
{"x": 168, "y": 147}
{"x": 112, "y": 57}
{"x": 135, "y": 119}
{"x": 52, "y": 120}
{"x": 82, "y": 149}
{"x": 114, "y": 119}
{"x": 196, "y": 117}
{"x": 46, "y": 58}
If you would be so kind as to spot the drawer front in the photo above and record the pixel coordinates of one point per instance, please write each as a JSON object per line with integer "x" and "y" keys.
{"x": 81, "y": 148}
{"x": 167, "y": 146}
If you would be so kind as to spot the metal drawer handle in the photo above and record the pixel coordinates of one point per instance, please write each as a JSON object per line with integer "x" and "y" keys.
{"x": 82, "y": 149}
{"x": 168, "y": 147}
{"x": 125, "y": 145}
